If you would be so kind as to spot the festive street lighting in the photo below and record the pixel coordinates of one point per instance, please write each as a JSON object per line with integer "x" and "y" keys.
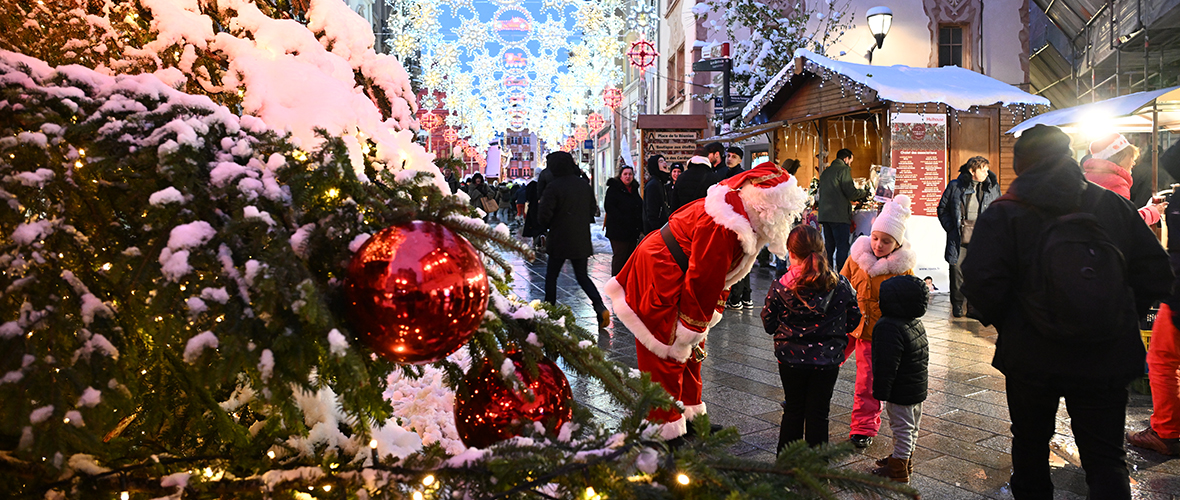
{"x": 612, "y": 97}
{"x": 450, "y": 135}
{"x": 580, "y": 134}
{"x": 430, "y": 121}
{"x": 595, "y": 121}
{"x": 570, "y": 144}
{"x": 642, "y": 54}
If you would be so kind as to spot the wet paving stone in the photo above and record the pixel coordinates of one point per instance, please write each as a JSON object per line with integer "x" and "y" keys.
{"x": 963, "y": 445}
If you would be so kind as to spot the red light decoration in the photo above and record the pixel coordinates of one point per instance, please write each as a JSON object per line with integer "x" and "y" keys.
{"x": 430, "y": 121}
{"x": 450, "y": 135}
{"x": 595, "y": 121}
{"x": 580, "y": 134}
{"x": 613, "y": 97}
{"x": 642, "y": 54}
{"x": 570, "y": 143}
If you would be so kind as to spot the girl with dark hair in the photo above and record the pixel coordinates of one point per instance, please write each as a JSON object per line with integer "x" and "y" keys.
{"x": 624, "y": 217}
{"x": 810, "y": 311}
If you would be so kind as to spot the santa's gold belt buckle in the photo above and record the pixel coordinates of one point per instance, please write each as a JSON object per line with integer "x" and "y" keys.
{"x": 698, "y": 353}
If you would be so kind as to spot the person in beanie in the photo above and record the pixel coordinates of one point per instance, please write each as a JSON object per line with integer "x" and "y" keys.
{"x": 1040, "y": 368}
{"x": 834, "y": 199}
{"x": 733, "y": 161}
{"x": 1109, "y": 166}
{"x": 672, "y": 290}
{"x": 874, "y": 258}
{"x": 740, "y": 294}
{"x": 567, "y": 210}
{"x": 1163, "y": 355}
{"x": 901, "y": 357}
{"x": 810, "y": 311}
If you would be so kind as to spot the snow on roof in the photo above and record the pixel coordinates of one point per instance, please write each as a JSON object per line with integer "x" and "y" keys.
{"x": 951, "y": 85}
{"x": 1117, "y": 111}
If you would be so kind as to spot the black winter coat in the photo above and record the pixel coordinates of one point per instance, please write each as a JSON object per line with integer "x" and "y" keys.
{"x": 624, "y": 211}
{"x": 532, "y": 195}
{"x": 692, "y": 185}
{"x": 953, "y": 205}
{"x": 1004, "y": 244}
{"x": 901, "y": 353}
{"x": 657, "y": 203}
{"x": 804, "y": 334}
{"x": 567, "y": 210}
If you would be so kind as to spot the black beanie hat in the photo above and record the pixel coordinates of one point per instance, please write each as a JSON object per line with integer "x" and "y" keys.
{"x": 1037, "y": 144}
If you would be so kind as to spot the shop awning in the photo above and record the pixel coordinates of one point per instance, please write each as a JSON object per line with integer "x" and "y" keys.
{"x": 742, "y": 133}
{"x": 1129, "y": 113}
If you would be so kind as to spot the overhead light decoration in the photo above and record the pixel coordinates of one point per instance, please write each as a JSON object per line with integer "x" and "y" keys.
{"x": 595, "y": 121}
{"x": 430, "y": 121}
{"x": 642, "y": 54}
{"x": 504, "y": 68}
{"x": 612, "y": 97}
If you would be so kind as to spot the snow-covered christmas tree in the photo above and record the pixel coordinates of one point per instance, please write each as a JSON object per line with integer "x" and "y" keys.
{"x": 194, "y": 195}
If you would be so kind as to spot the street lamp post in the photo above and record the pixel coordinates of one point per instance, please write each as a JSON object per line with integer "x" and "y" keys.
{"x": 880, "y": 20}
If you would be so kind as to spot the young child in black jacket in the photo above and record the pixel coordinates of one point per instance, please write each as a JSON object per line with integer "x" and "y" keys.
{"x": 901, "y": 356}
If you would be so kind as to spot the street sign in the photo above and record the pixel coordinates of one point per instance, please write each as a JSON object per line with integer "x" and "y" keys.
{"x": 719, "y": 64}
{"x": 740, "y": 99}
{"x": 732, "y": 111}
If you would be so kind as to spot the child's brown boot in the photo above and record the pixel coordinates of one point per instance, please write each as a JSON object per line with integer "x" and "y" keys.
{"x": 894, "y": 468}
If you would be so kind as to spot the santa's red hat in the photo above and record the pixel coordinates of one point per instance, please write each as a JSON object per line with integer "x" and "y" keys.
{"x": 1107, "y": 146}
{"x": 765, "y": 175}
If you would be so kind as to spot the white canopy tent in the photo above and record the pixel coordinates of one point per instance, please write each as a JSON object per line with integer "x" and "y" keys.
{"x": 1142, "y": 112}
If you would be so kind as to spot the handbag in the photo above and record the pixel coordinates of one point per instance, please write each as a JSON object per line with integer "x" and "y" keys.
{"x": 489, "y": 205}
{"x": 965, "y": 229}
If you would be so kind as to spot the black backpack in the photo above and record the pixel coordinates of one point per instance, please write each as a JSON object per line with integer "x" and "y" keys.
{"x": 1076, "y": 289}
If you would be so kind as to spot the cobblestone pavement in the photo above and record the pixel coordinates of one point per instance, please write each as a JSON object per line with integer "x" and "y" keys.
{"x": 963, "y": 444}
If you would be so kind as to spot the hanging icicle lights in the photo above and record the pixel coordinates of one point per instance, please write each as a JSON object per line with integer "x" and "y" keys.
{"x": 504, "y": 68}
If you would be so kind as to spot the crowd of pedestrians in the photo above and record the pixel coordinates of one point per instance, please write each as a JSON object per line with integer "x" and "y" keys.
{"x": 1060, "y": 263}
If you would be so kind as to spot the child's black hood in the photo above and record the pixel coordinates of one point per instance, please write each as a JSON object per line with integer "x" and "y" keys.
{"x": 904, "y": 296}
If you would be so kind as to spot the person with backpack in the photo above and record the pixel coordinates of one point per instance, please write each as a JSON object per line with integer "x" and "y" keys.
{"x": 1064, "y": 270}
{"x": 874, "y": 258}
{"x": 1163, "y": 355}
{"x": 656, "y": 208}
{"x": 810, "y": 311}
{"x": 901, "y": 361}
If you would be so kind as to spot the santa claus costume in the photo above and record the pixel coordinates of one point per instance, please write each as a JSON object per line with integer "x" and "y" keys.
{"x": 670, "y": 308}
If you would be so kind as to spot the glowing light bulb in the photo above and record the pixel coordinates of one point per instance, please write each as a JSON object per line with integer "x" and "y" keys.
{"x": 418, "y": 495}
{"x": 124, "y": 496}
{"x": 78, "y": 164}
{"x": 428, "y": 480}
{"x": 327, "y": 487}
{"x": 271, "y": 454}
{"x": 682, "y": 478}
{"x": 373, "y": 444}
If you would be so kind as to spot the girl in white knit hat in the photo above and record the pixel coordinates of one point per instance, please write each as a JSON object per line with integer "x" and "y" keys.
{"x": 883, "y": 254}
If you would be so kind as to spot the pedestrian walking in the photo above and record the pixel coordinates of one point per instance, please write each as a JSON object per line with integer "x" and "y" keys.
{"x": 670, "y": 293}
{"x": 624, "y": 216}
{"x": 901, "y": 360}
{"x": 1163, "y": 355}
{"x": 1064, "y": 270}
{"x": 482, "y": 196}
{"x": 656, "y": 207}
{"x": 567, "y": 211}
{"x": 962, "y": 201}
{"x": 810, "y": 311}
{"x": 874, "y": 258}
{"x": 835, "y": 196}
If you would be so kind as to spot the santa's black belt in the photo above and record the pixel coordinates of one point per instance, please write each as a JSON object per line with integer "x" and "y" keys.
{"x": 674, "y": 248}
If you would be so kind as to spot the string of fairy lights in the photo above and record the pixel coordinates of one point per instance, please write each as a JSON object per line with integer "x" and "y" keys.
{"x": 507, "y": 66}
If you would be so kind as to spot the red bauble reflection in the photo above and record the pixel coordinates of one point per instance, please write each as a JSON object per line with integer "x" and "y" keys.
{"x": 488, "y": 412}
{"x": 416, "y": 292}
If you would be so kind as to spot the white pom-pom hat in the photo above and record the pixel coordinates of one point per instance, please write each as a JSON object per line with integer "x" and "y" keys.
{"x": 893, "y": 218}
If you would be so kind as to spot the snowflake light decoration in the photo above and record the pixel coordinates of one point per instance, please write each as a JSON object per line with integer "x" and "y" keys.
{"x": 642, "y": 54}
{"x": 595, "y": 121}
{"x": 430, "y": 121}
{"x": 612, "y": 97}
{"x": 511, "y": 70}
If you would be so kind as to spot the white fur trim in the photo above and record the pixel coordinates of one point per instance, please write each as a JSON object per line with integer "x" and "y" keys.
{"x": 741, "y": 270}
{"x": 674, "y": 429}
{"x": 683, "y": 339}
{"x": 901, "y": 260}
{"x": 786, "y": 196}
{"x": 725, "y": 216}
{"x": 713, "y": 322}
{"x": 701, "y": 160}
{"x": 694, "y": 411}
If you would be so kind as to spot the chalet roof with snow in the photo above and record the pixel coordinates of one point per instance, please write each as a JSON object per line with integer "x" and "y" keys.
{"x": 951, "y": 85}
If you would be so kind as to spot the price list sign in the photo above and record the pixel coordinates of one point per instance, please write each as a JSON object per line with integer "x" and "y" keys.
{"x": 918, "y": 154}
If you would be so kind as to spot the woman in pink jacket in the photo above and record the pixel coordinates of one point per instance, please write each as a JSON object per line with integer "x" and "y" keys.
{"x": 1109, "y": 166}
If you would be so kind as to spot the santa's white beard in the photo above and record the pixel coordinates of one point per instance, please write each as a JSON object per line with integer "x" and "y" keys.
{"x": 773, "y": 225}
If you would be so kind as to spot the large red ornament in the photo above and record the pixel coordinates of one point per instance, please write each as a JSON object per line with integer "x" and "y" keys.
{"x": 488, "y": 411}
{"x": 416, "y": 292}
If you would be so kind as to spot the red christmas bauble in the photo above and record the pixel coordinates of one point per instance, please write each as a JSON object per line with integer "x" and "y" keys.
{"x": 416, "y": 292}
{"x": 489, "y": 411}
